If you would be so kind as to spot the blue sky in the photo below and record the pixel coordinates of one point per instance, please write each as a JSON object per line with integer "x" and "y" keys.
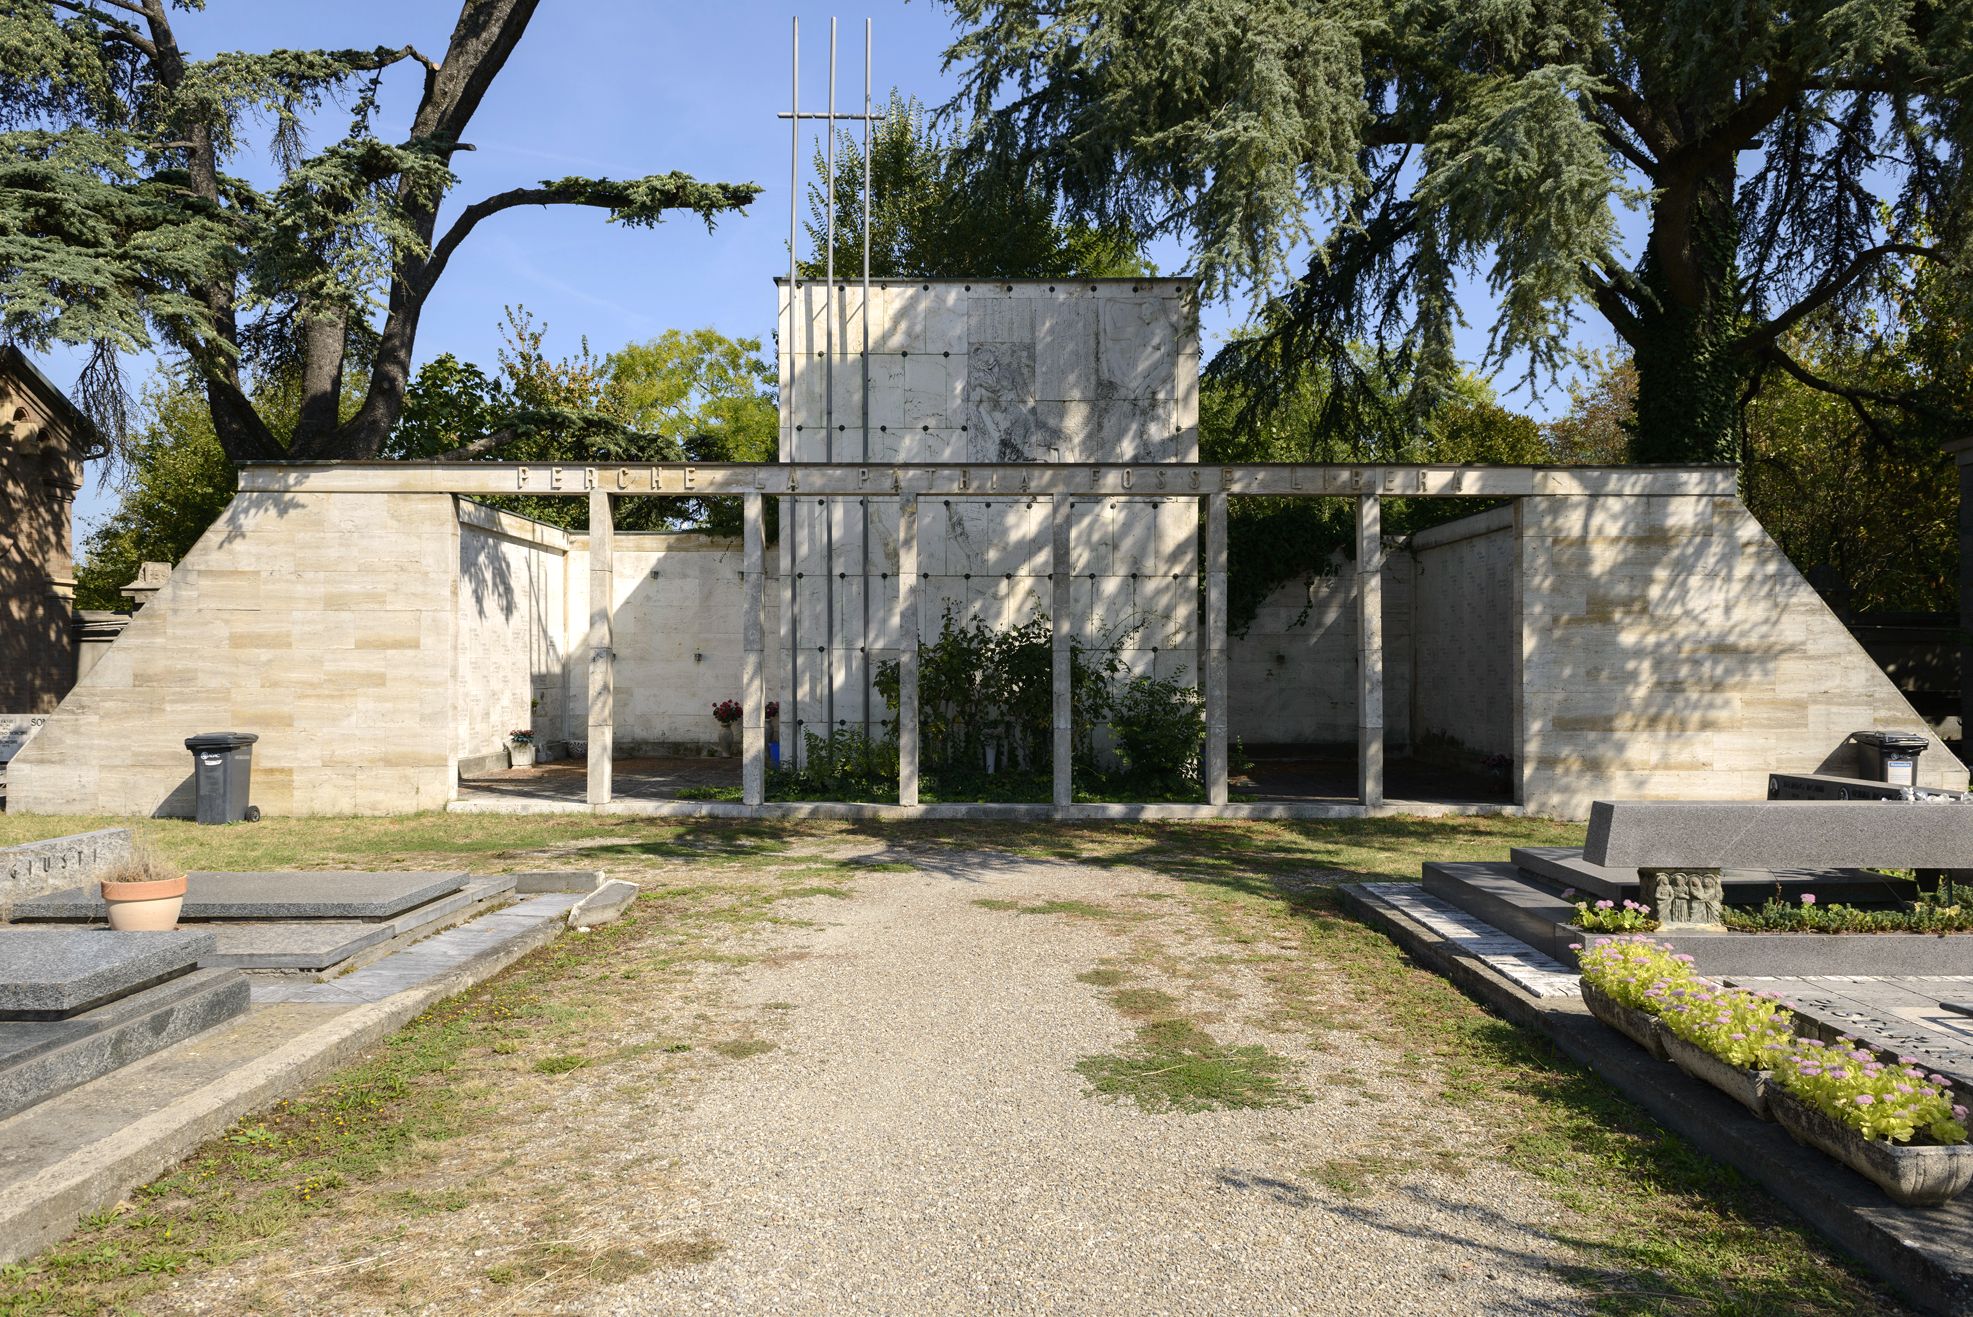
{"x": 624, "y": 88}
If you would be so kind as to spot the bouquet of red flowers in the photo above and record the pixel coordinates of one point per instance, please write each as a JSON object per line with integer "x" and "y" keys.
{"x": 727, "y": 712}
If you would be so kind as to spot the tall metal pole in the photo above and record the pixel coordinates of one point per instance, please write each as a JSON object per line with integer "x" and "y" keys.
{"x": 829, "y": 412}
{"x": 869, "y": 685}
{"x": 790, "y": 523}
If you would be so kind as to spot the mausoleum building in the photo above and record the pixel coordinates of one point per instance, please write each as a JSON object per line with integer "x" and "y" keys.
{"x": 993, "y": 451}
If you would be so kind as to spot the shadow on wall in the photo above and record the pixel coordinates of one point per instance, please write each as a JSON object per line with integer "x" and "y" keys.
{"x": 1672, "y": 651}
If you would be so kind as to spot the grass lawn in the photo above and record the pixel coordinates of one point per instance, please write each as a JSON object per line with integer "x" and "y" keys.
{"x": 1657, "y": 1227}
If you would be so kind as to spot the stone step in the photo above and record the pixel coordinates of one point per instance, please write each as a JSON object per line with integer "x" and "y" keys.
{"x": 290, "y": 895}
{"x": 315, "y": 946}
{"x": 1502, "y": 896}
{"x": 1563, "y": 867}
{"x": 40, "y": 1059}
{"x": 55, "y": 973}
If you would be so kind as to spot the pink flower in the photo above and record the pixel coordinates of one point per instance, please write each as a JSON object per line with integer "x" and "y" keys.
{"x": 1864, "y": 1099}
{"x": 1808, "y": 898}
{"x": 1606, "y": 905}
{"x": 1958, "y": 1112}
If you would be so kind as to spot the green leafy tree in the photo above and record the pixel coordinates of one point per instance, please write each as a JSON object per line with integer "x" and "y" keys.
{"x": 122, "y": 227}
{"x": 936, "y": 213}
{"x": 1274, "y": 540}
{"x": 687, "y": 395}
{"x": 1787, "y": 161}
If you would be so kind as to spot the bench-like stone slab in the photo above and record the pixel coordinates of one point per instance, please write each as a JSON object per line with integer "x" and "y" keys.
{"x": 295, "y": 895}
{"x": 1778, "y": 834}
{"x": 53, "y": 973}
{"x": 41, "y": 1059}
{"x": 311, "y": 945}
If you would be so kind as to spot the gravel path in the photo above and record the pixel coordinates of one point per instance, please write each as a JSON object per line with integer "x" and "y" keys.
{"x": 920, "y": 1141}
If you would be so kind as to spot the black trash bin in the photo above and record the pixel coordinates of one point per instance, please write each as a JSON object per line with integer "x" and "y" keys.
{"x": 1889, "y": 756}
{"x": 222, "y": 768}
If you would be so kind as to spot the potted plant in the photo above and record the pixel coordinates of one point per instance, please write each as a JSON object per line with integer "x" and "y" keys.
{"x": 1623, "y": 981}
{"x": 1726, "y": 1037}
{"x": 144, "y": 895}
{"x": 727, "y": 713}
{"x": 520, "y": 747}
{"x": 1893, "y": 1124}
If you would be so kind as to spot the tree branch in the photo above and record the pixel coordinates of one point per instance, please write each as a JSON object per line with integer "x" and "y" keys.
{"x": 1855, "y": 397}
{"x": 1759, "y": 338}
{"x": 114, "y": 28}
{"x": 638, "y": 201}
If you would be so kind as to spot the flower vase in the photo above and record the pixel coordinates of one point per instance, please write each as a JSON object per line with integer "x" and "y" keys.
{"x": 727, "y": 739}
{"x": 519, "y": 755}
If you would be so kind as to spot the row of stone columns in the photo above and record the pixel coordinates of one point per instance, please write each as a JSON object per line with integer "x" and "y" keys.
{"x": 753, "y": 672}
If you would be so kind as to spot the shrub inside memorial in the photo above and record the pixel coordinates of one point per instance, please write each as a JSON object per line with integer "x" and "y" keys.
{"x": 1881, "y": 1100}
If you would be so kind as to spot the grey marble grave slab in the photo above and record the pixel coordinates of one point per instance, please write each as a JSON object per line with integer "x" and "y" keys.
{"x": 1779, "y": 834}
{"x": 1564, "y": 867}
{"x": 295, "y": 895}
{"x": 319, "y": 944}
{"x": 50, "y": 973}
{"x": 39, "y": 1059}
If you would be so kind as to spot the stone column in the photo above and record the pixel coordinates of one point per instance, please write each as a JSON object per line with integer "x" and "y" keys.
{"x": 1370, "y": 650}
{"x": 907, "y": 649}
{"x": 602, "y": 658}
{"x": 1063, "y": 632}
{"x": 1214, "y": 671}
{"x": 753, "y": 663}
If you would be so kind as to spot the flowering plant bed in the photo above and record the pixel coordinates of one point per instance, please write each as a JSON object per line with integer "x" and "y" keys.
{"x": 1622, "y": 981}
{"x": 1912, "y": 1175}
{"x": 1726, "y": 1037}
{"x": 1948, "y": 909}
{"x": 1609, "y": 917}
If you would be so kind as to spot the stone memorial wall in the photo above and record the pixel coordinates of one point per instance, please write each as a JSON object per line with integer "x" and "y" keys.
{"x": 956, "y": 371}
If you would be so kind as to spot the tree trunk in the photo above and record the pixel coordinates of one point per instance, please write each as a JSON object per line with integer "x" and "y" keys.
{"x": 1689, "y": 374}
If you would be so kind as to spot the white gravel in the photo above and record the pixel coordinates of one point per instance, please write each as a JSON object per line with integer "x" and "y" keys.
{"x": 920, "y": 1142}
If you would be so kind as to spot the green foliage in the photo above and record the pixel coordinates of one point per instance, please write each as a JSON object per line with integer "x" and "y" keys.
{"x": 1899, "y": 1103}
{"x": 1634, "y": 971}
{"x": 1741, "y": 1028}
{"x": 1609, "y": 917}
{"x": 978, "y": 686}
{"x": 1948, "y": 909}
{"x": 1785, "y": 161}
{"x": 1160, "y": 726}
{"x": 935, "y": 213}
{"x": 844, "y": 765}
{"x": 1271, "y": 541}
{"x": 122, "y": 227}
{"x": 683, "y": 396}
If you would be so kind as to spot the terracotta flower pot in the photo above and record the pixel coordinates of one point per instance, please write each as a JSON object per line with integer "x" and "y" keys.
{"x": 1913, "y": 1175}
{"x": 149, "y": 907}
{"x": 1641, "y": 1027}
